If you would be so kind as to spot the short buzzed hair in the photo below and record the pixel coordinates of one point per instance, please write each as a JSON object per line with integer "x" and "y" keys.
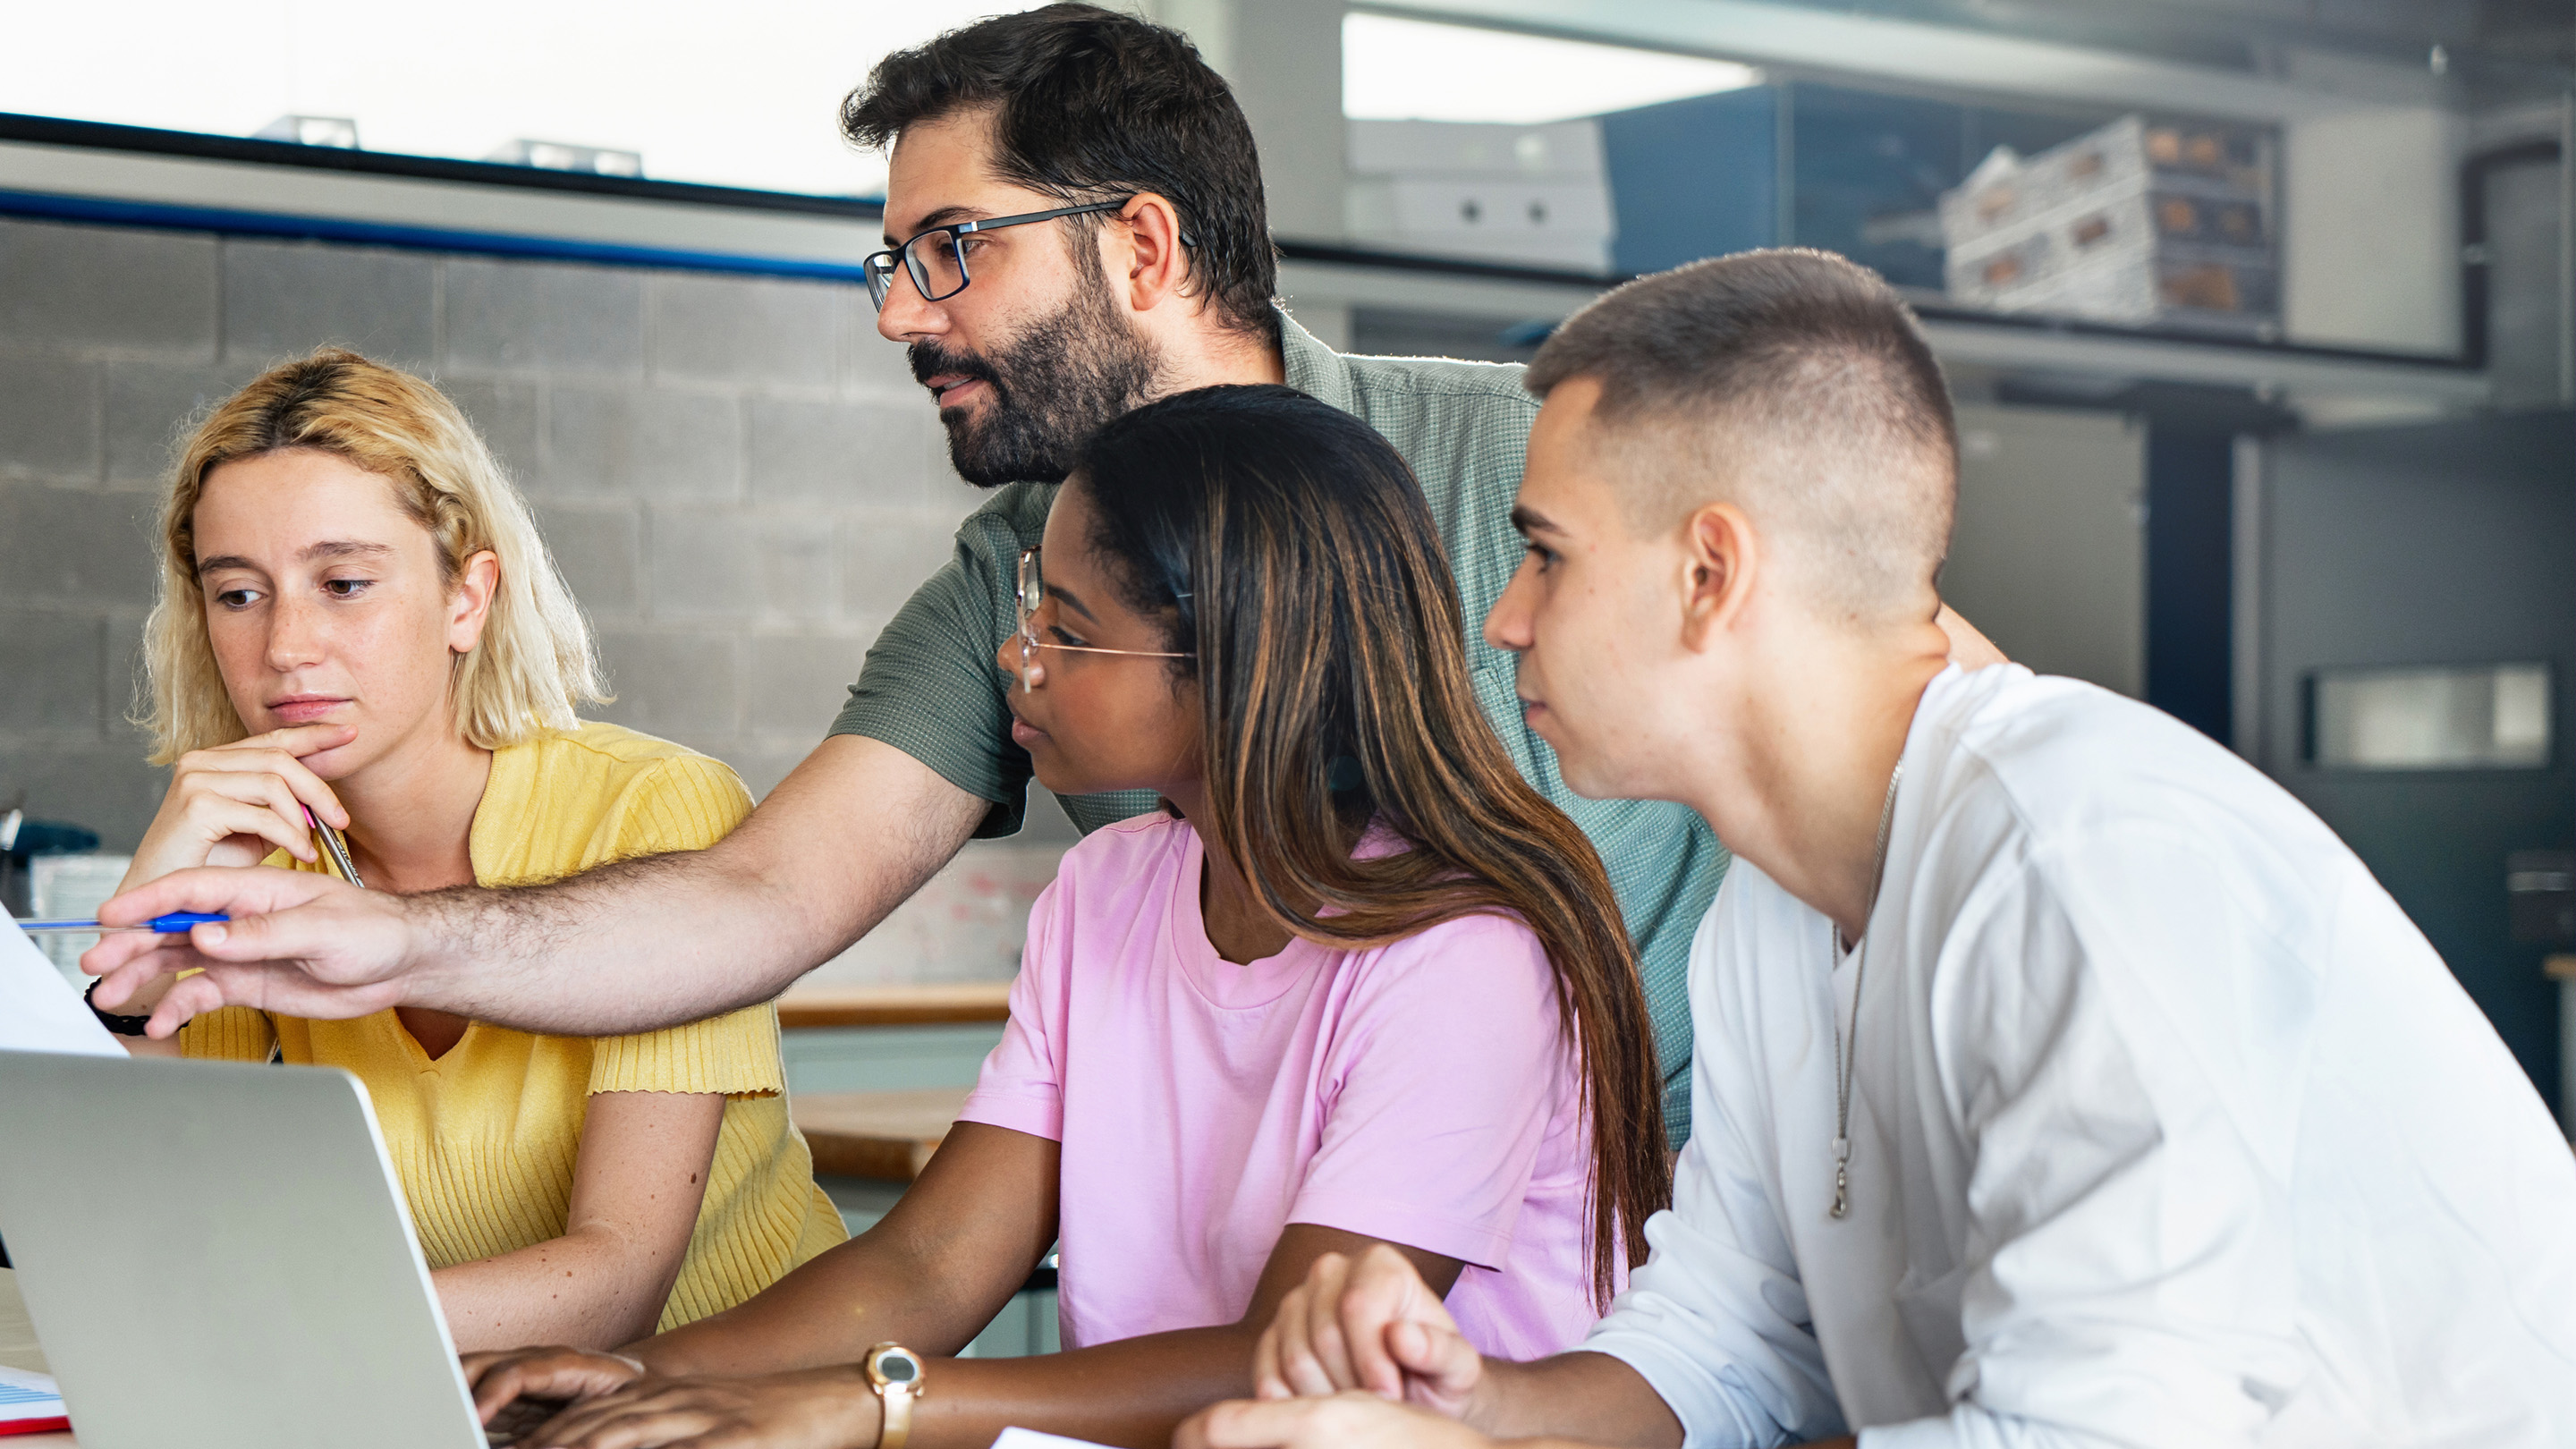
{"x": 1792, "y": 382}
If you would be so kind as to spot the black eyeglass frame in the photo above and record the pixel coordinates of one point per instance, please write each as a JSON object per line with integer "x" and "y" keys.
{"x": 879, "y": 266}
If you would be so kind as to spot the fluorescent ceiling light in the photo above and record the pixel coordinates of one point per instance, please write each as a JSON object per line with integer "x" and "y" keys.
{"x": 1396, "y": 69}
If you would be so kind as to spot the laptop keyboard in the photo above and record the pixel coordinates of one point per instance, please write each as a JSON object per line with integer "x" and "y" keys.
{"x": 520, "y": 1417}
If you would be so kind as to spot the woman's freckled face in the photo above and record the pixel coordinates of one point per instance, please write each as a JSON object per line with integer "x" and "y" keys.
{"x": 1097, "y": 722}
{"x": 324, "y": 604}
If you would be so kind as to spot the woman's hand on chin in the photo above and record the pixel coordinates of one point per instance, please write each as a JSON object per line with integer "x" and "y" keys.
{"x": 233, "y": 804}
{"x": 826, "y": 1408}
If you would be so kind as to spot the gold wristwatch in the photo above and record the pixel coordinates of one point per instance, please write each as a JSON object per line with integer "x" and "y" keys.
{"x": 895, "y": 1372}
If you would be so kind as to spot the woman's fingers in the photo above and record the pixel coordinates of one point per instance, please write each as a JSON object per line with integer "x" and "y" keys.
{"x": 300, "y": 740}
{"x": 202, "y": 820}
{"x": 285, "y": 804}
{"x": 494, "y": 1379}
{"x": 1383, "y": 1290}
{"x": 264, "y": 813}
{"x": 1441, "y": 1367}
{"x": 642, "y": 1428}
{"x": 499, "y": 1378}
{"x": 577, "y": 1421}
{"x": 667, "y": 1412}
{"x": 1298, "y": 1366}
{"x": 1267, "y": 1382}
{"x": 1328, "y": 1361}
{"x": 1329, "y": 1334}
{"x": 812, "y": 1409}
{"x": 281, "y": 753}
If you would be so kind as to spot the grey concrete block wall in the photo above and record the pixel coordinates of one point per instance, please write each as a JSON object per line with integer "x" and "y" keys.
{"x": 282, "y": 298}
{"x": 737, "y": 475}
{"x": 149, "y": 292}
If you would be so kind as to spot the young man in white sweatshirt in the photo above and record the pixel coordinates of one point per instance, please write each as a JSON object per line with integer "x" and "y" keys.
{"x": 2059, "y": 1079}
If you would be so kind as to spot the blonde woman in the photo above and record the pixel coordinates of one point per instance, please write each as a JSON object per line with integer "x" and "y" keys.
{"x": 358, "y": 620}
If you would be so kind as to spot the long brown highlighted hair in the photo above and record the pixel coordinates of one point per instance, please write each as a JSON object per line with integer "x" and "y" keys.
{"x": 1287, "y": 546}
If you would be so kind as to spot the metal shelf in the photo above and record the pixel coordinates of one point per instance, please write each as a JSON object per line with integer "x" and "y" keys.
{"x": 132, "y": 176}
{"x": 1338, "y": 275}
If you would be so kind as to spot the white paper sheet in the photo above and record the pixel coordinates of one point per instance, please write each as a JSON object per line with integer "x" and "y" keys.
{"x": 1032, "y": 1439}
{"x": 27, "y": 1398}
{"x": 39, "y": 1011}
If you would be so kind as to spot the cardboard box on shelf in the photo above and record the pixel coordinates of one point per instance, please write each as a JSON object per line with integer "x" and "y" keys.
{"x": 2139, "y": 222}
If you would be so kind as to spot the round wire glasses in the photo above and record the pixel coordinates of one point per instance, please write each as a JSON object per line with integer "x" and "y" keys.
{"x": 1032, "y": 594}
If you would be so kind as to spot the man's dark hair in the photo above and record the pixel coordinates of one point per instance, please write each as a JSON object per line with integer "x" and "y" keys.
{"x": 1793, "y": 381}
{"x": 1091, "y": 105}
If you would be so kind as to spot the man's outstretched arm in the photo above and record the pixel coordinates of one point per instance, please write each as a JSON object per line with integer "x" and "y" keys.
{"x": 633, "y": 946}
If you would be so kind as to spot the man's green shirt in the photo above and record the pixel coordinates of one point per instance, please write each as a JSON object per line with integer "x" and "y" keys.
{"x": 930, "y": 687}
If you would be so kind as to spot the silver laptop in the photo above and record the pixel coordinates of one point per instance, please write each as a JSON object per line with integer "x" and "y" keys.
{"x": 218, "y": 1256}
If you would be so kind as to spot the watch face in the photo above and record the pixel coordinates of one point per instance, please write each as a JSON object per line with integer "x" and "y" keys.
{"x": 896, "y": 1369}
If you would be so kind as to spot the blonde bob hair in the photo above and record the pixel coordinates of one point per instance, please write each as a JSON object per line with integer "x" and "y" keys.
{"x": 535, "y": 661}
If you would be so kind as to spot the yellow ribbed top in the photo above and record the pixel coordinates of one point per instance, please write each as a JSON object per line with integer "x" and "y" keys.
{"x": 485, "y": 1137}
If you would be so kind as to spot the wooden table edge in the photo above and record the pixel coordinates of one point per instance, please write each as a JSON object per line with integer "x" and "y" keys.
{"x": 893, "y": 1139}
{"x": 949, "y": 1005}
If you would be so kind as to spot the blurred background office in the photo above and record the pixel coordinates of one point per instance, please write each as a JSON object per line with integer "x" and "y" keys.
{"x": 2257, "y": 312}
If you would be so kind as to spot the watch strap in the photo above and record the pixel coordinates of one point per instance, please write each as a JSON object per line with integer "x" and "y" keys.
{"x": 895, "y": 1425}
{"x": 896, "y": 1392}
{"x": 121, "y": 1025}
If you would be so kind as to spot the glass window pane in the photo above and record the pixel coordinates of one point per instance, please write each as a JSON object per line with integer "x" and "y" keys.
{"x": 736, "y": 95}
{"x": 1498, "y": 75}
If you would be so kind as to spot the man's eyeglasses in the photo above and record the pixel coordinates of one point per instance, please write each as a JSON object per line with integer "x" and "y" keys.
{"x": 937, "y": 257}
{"x": 1032, "y": 595}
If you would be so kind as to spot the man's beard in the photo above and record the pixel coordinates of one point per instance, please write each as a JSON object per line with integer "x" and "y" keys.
{"x": 1054, "y": 384}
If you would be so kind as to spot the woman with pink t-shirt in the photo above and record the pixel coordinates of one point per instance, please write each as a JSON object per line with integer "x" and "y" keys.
{"x": 1355, "y": 983}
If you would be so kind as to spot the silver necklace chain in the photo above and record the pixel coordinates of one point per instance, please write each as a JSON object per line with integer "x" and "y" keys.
{"x": 1847, "y": 1059}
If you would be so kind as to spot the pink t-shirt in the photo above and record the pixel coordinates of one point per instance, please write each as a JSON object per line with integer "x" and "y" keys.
{"x": 1420, "y": 1093}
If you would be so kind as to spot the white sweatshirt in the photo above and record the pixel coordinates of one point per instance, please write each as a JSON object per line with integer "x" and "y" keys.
{"x": 2168, "y": 1129}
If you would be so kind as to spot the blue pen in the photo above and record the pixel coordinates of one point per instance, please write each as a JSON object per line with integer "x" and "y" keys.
{"x": 169, "y": 925}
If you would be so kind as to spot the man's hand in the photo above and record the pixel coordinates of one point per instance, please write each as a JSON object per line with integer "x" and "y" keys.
{"x": 563, "y": 1374}
{"x": 1372, "y": 1325}
{"x": 1352, "y": 1420}
{"x": 827, "y": 1408}
{"x": 298, "y": 943}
